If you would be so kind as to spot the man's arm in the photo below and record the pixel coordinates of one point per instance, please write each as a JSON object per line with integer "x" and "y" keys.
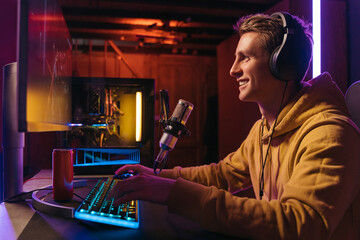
{"x": 321, "y": 189}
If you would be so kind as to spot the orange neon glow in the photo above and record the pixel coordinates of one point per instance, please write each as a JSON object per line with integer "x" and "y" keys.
{"x": 147, "y": 22}
{"x": 42, "y": 17}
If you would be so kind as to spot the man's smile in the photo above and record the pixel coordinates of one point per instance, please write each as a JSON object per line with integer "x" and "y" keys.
{"x": 243, "y": 82}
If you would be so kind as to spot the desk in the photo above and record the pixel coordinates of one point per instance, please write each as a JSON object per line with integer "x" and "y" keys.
{"x": 22, "y": 221}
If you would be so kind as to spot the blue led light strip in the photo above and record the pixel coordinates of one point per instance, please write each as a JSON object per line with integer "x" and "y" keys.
{"x": 107, "y": 220}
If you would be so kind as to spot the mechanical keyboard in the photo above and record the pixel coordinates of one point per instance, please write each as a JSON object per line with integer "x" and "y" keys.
{"x": 98, "y": 208}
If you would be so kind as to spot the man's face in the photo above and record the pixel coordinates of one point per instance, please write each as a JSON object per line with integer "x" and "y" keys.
{"x": 251, "y": 70}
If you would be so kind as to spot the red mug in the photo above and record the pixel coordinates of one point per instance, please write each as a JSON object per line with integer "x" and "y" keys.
{"x": 62, "y": 174}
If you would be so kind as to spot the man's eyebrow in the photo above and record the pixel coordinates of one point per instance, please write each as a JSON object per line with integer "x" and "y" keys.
{"x": 245, "y": 53}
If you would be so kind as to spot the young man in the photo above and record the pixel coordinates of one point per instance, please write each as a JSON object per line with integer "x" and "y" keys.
{"x": 301, "y": 159}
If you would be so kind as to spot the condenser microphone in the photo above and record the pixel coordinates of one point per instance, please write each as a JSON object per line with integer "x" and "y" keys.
{"x": 174, "y": 128}
{"x": 176, "y": 125}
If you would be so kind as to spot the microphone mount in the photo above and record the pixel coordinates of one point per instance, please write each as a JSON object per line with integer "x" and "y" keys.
{"x": 176, "y": 129}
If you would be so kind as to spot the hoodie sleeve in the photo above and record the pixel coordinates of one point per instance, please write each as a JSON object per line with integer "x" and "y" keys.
{"x": 315, "y": 199}
{"x": 231, "y": 173}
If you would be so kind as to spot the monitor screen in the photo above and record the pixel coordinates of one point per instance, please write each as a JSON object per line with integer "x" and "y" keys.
{"x": 44, "y": 67}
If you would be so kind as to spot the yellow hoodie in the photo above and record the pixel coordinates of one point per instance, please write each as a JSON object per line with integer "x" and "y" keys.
{"x": 311, "y": 176}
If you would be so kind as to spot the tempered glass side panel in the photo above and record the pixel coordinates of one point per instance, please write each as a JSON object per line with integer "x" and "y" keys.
{"x": 112, "y": 113}
{"x": 44, "y": 57}
{"x": 104, "y": 112}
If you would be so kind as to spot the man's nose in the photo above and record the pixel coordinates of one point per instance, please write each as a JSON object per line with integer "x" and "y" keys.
{"x": 235, "y": 70}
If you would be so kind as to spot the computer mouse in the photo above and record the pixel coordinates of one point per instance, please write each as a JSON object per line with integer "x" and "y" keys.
{"x": 123, "y": 175}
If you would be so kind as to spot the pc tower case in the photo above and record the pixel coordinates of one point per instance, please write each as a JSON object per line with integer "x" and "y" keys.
{"x": 112, "y": 123}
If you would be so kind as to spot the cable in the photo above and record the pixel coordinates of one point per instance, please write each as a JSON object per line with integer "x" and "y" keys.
{"x": 160, "y": 161}
{"x": 23, "y": 196}
{"x": 263, "y": 162}
{"x": 79, "y": 196}
{"x": 27, "y": 195}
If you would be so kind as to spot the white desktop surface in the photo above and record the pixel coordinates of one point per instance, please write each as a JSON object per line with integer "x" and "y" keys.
{"x": 22, "y": 221}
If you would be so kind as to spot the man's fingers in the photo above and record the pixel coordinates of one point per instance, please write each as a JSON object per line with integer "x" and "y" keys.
{"x": 124, "y": 169}
{"x": 143, "y": 187}
{"x": 135, "y": 168}
{"x": 125, "y": 186}
{"x": 129, "y": 168}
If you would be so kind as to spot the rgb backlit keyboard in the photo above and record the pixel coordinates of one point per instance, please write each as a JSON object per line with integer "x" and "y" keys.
{"x": 98, "y": 208}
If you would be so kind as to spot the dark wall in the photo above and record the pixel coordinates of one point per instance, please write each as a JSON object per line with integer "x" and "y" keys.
{"x": 354, "y": 40}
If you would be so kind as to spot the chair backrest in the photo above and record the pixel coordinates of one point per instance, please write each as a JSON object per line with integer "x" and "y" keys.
{"x": 352, "y": 98}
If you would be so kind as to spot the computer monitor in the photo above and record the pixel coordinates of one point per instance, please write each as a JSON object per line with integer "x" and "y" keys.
{"x": 40, "y": 100}
{"x": 44, "y": 67}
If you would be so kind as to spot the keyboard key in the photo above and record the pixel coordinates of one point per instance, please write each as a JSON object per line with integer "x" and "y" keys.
{"x": 114, "y": 210}
{"x": 85, "y": 206}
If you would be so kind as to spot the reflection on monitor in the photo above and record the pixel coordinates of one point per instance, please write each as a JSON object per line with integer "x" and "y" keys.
{"x": 44, "y": 71}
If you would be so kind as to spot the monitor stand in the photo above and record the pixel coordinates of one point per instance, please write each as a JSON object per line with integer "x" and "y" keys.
{"x": 13, "y": 141}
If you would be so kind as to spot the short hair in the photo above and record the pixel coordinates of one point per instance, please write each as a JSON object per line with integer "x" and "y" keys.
{"x": 272, "y": 30}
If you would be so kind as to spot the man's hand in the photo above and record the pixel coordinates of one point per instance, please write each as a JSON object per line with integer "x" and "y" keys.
{"x": 143, "y": 186}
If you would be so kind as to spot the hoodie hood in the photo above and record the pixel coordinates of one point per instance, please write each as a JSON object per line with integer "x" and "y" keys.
{"x": 317, "y": 95}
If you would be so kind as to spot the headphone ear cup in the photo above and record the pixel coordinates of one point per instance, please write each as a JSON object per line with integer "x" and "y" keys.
{"x": 273, "y": 62}
{"x": 284, "y": 60}
{"x": 290, "y": 60}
